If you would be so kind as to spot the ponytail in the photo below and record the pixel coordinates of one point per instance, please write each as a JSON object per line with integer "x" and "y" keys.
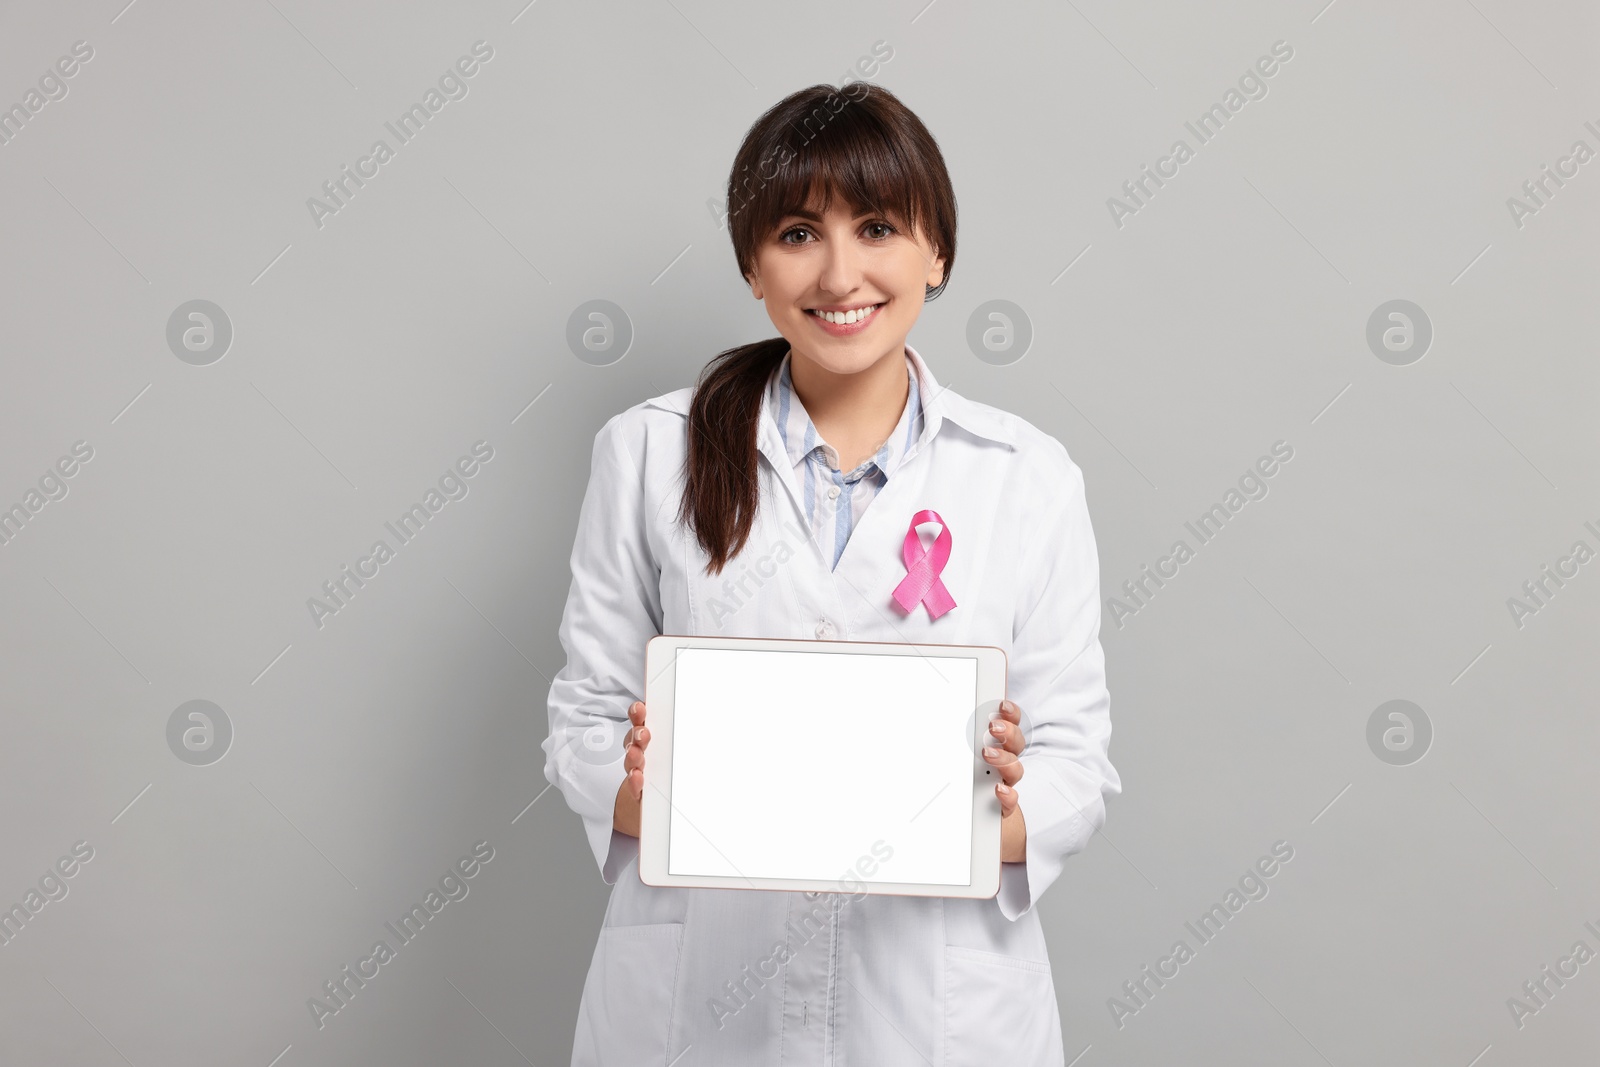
{"x": 722, "y": 485}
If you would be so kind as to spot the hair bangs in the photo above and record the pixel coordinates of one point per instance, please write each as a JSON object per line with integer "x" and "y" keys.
{"x": 852, "y": 161}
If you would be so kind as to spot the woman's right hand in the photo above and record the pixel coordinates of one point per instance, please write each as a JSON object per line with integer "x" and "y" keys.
{"x": 625, "y": 814}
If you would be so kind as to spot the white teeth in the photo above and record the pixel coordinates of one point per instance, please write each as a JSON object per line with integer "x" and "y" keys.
{"x": 846, "y": 318}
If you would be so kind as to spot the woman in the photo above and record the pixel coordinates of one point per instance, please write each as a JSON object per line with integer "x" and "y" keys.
{"x": 773, "y": 499}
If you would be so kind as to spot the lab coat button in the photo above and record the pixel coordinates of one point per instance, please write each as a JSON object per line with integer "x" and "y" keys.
{"x": 824, "y": 629}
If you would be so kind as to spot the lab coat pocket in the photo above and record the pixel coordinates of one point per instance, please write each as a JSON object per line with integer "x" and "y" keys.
{"x": 998, "y": 1009}
{"x": 626, "y": 1015}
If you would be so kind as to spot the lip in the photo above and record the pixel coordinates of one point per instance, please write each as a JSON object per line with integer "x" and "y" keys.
{"x": 838, "y": 329}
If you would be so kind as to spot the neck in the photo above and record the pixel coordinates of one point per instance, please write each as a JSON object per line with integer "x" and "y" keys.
{"x": 855, "y": 413}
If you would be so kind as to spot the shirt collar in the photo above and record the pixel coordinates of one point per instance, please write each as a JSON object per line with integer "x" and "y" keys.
{"x": 939, "y": 403}
{"x": 799, "y": 433}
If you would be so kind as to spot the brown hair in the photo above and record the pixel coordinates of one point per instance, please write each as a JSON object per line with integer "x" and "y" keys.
{"x": 861, "y": 143}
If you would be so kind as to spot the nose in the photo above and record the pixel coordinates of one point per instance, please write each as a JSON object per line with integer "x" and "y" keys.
{"x": 841, "y": 266}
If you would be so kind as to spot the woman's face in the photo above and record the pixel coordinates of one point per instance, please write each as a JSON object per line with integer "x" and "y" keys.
{"x": 843, "y": 262}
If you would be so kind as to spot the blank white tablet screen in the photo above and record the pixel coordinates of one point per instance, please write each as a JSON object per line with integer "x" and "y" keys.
{"x": 796, "y": 764}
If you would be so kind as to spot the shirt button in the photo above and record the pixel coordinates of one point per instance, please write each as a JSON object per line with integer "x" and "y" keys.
{"x": 824, "y": 629}
{"x": 833, "y": 492}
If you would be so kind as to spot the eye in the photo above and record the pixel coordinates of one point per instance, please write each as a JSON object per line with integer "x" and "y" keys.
{"x": 870, "y": 229}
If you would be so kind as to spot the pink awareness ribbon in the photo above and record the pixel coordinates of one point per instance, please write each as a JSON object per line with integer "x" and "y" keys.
{"x": 923, "y": 567}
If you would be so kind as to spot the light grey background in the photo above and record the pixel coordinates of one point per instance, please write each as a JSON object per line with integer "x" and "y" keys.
{"x": 1228, "y": 313}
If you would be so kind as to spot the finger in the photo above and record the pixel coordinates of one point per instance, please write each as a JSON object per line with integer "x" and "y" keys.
{"x": 633, "y": 759}
{"x": 1009, "y": 734}
{"x": 998, "y": 756}
{"x": 638, "y": 736}
{"x": 636, "y": 784}
{"x": 1006, "y": 764}
{"x": 1011, "y": 773}
{"x": 636, "y": 713}
{"x": 1008, "y": 799}
{"x": 1011, "y": 713}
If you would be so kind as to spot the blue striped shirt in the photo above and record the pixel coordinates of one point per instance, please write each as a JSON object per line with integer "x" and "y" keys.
{"x": 835, "y": 499}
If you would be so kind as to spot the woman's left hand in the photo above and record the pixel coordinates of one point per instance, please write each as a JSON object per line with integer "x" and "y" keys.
{"x": 1007, "y": 730}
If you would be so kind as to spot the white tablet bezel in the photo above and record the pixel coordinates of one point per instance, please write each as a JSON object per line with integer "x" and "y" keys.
{"x": 655, "y": 811}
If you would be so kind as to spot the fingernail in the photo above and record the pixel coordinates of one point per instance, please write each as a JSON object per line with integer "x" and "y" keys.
{"x": 997, "y": 727}
{"x": 1006, "y": 789}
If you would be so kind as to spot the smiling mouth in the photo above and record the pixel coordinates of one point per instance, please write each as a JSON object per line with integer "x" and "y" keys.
{"x": 846, "y": 318}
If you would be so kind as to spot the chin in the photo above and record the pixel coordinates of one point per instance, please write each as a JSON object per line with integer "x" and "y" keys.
{"x": 843, "y": 360}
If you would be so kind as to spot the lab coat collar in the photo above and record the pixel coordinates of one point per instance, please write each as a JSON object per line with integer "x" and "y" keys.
{"x": 939, "y": 402}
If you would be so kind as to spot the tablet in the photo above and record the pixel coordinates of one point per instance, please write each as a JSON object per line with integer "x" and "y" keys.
{"x": 822, "y": 766}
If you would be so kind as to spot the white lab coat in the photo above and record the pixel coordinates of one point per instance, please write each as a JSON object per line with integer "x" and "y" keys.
{"x": 757, "y": 978}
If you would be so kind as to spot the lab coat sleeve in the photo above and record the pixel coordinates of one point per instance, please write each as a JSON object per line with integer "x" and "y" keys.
{"x": 1056, "y": 675}
{"x": 613, "y": 608}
